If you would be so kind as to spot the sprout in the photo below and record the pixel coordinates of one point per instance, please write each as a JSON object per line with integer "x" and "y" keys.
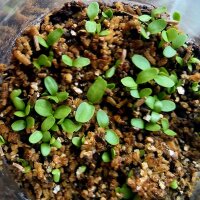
{"x": 157, "y": 26}
{"x": 164, "y": 81}
{"x": 45, "y": 149}
{"x": 43, "y": 108}
{"x": 76, "y": 141}
{"x": 97, "y": 90}
{"x": 48, "y": 123}
{"x": 54, "y": 36}
{"x": 146, "y": 75}
{"x": 51, "y": 85}
{"x": 144, "y": 18}
{"x": 111, "y": 86}
{"x": 174, "y": 184}
{"x": 138, "y": 123}
{"x": 56, "y": 175}
{"x": 169, "y": 52}
{"x": 107, "y": 13}
{"x": 141, "y": 62}
{"x": 106, "y": 157}
{"x": 2, "y": 141}
{"x": 129, "y": 82}
{"x": 81, "y": 169}
{"x": 102, "y": 119}
{"x": 104, "y": 33}
{"x": 62, "y": 112}
{"x": 125, "y": 191}
{"x": 93, "y": 10}
{"x": 35, "y": 137}
{"x": 42, "y": 42}
{"x": 84, "y": 112}
{"x": 42, "y": 60}
{"x": 110, "y": 72}
{"x": 18, "y": 125}
{"x": 111, "y": 137}
{"x": 176, "y": 16}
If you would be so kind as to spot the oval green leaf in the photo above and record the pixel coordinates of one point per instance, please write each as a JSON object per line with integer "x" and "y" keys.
{"x": 93, "y": 10}
{"x": 172, "y": 34}
{"x": 168, "y": 106}
{"x": 62, "y": 112}
{"x": 157, "y": 26}
{"x": 135, "y": 94}
{"x": 152, "y": 127}
{"x": 48, "y": 123}
{"x": 170, "y": 132}
{"x": 18, "y": 125}
{"x": 51, "y": 85}
{"x": 150, "y": 101}
{"x": 164, "y": 81}
{"x": 19, "y": 103}
{"x": 169, "y": 52}
{"x": 81, "y": 62}
{"x": 110, "y": 72}
{"x": 176, "y": 16}
{"x": 165, "y": 124}
{"x": 138, "y": 123}
{"x": 69, "y": 126}
{"x": 45, "y": 149}
{"x": 54, "y": 36}
{"x": 56, "y": 175}
{"x": 43, "y": 107}
{"x": 129, "y": 82}
{"x": 106, "y": 157}
{"x": 91, "y": 26}
{"x": 111, "y": 137}
{"x": 76, "y": 141}
{"x": 67, "y": 60}
{"x": 144, "y": 18}
{"x": 97, "y": 90}
{"x": 145, "y": 92}
{"x": 102, "y": 119}
{"x": 42, "y": 42}
{"x": 146, "y": 75}
{"x": 141, "y": 62}
{"x": 30, "y": 122}
{"x": 179, "y": 41}
{"x": 35, "y": 137}
{"x": 155, "y": 117}
{"x": 19, "y": 114}
{"x": 46, "y": 136}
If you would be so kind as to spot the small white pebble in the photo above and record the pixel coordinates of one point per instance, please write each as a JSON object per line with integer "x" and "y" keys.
{"x": 56, "y": 189}
{"x": 171, "y": 153}
{"x": 34, "y": 85}
{"x": 77, "y": 90}
{"x": 147, "y": 118}
{"x": 186, "y": 148}
{"x": 138, "y": 188}
{"x": 73, "y": 33}
{"x": 162, "y": 185}
{"x": 181, "y": 90}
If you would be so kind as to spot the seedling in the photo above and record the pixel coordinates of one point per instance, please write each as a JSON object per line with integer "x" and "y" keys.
{"x": 125, "y": 191}
{"x": 77, "y": 141}
{"x": 176, "y": 16}
{"x": 106, "y": 157}
{"x": 78, "y": 62}
{"x": 111, "y": 72}
{"x": 2, "y": 141}
{"x": 111, "y": 137}
{"x": 56, "y": 175}
{"x": 174, "y": 184}
{"x": 102, "y": 119}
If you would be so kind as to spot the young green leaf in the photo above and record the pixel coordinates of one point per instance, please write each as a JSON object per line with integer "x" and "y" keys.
{"x": 102, "y": 119}
{"x": 51, "y": 85}
{"x": 48, "y": 123}
{"x": 138, "y": 123}
{"x": 62, "y": 96}
{"x": 35, "y": 137}
{"x": 76, "y": 141}
{"x": 150, "y": 101}
{"x": 129, "y": 82}
{"x": 62, "y": 112}
{"x": 145, "y": 92}
{"x": 43, "y": 60}
{"x": 15, "y": 93}
{"x": 93, "y": 10}
{"x": 57, "y": 144}
{"x": 43, "y": 107}
{"x": 141, "y": 62}
{"x": 55, "y": 128}
{"x": 155, "y": 117}
{"x": 98, "y": 28}
{"x": 174, "y": 184}
{"x": 67, "y": 60}
{"x": 69, "y": 126}
{"x": 84, "y": 112}
{"x": 81, "y": 62}
{"x": 179, "y": 41}
{"x": 46, "y": 136}
{"x": 146, "y": 75}
{"x": 172, "y": 34}
{"x": 169, "y": 52}
{"x": 42, "y": 42}
{"x": 81, "y": 169}
{"x": 170, "y": 132}
{"x": 157, "y": 26}
{"x": 158, "y": 106}
{"x": 111, "y": 86}
{"x": 2, "y": 141}
{"x": 27, "y": 109}
{"x": 152, "y": 127}
{"x": 18, "y": 125}
{"x": 30, "y": 122}
{"x": 110, "y": 72}
{"x": 45, "y": 149}
{"x": 107, "y": 13}
{"x": 176, "y": 16}
{"x": 19, "y": 114}
{"x": 163, "y": 71}
{"x": 91, "y": 26}
{"x": 113, "y": 153}
{"x": 56, "y": 175}
{"x": 144, "y": 18}
{"x": 106, "y": 157}
{"x": 164, "y": 36}
{"x": 165, "y": 124}
{"x": 53, "y": 98}
{"x": 158, "y": 11}
{"x": 111, "y": 137}
{"x": 125, "y": 191}
{"x": 164, "y": 81}
{"x": 144, "y": 33}
{"x": 19, "y": 103}
{"x": 97, "y": 90}
{"x": 135, "y": 94}
{"x": 54, "y": 36}
{"x": 104, "y": 33}
{"x": 168, "y": 106}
